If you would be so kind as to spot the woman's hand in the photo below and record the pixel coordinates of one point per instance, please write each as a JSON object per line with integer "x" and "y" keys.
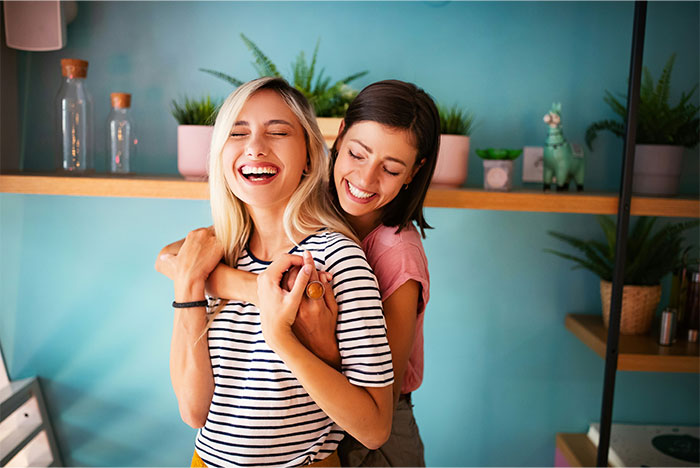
{"x": 278, "y": 307}
{"x": 198, "y": 256}
{"x": 316, "y": 319}
{"x": 166, "y": 263}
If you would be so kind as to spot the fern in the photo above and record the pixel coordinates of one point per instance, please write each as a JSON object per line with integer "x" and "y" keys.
{"x": 328, "y": 100}
{"x": 657, "y": 122}
{"x": 648, "y": 258}
{"x": 262, "y": 64}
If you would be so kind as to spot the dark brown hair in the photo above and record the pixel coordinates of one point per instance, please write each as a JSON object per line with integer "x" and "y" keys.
{"x": 404, "y": 106}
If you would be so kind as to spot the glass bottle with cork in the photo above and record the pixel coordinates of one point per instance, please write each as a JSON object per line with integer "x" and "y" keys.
{"x": 74, "y": 119}
{"x": 121, "y": 140}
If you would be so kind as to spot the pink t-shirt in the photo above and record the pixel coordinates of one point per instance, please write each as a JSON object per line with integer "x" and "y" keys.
{"x": 395, "y": 259}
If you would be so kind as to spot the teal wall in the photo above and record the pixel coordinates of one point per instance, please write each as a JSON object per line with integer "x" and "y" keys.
{"x": 83, "y": 308}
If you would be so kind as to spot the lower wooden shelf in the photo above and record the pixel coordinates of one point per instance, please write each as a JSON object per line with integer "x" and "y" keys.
{"x": 577, "y": 449}
{"x": 638, "y": 352}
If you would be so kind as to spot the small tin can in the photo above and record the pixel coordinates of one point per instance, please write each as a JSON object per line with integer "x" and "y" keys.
{"x": 667, "y": 336}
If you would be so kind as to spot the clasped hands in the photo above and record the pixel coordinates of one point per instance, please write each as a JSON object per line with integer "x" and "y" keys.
{"x": 285, "y": 309}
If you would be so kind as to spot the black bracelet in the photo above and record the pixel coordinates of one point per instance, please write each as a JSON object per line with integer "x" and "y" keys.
{"x": 187, "y": 305}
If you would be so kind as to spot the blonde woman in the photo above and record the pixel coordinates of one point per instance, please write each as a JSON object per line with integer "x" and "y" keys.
{"x": 239, "y": 372}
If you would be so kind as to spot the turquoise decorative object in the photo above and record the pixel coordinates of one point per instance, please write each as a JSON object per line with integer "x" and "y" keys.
{"x": 562, "y": 161}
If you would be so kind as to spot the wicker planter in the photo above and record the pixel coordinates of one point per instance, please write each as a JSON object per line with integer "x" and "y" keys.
{"x": 638, "y": 307}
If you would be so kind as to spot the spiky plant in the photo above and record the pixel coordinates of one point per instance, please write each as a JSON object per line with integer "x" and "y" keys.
{"x": 194, "y": 111}
{"x": 328, "y": 99}
{"x": 648, "y": 258}
{"x": 455, "y": 121}
{"x": 657, "y": 122}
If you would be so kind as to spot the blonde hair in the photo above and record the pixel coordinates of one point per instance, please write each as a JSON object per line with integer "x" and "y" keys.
{"x": 309, "y": 209}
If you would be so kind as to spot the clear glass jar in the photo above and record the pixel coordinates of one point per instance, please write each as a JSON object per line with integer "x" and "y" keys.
{"x": 74, "y": 112}
{"x": 121, "y": 140}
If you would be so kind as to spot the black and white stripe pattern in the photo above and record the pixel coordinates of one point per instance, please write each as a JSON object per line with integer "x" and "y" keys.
{"x": 260, "y": 414}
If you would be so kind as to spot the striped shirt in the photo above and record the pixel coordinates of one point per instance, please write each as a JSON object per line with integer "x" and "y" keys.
{"x": 260, "y": 414}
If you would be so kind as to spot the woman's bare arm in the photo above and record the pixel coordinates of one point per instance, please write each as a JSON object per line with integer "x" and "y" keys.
{"x": 224, "y": 281}
{"x": 190, "y": 367}
{"x": 400, "y": 313}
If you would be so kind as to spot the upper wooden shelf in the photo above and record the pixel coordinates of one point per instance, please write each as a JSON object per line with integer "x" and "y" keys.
{"x": 636, "y": 352}
{"x": 518, "y": 200}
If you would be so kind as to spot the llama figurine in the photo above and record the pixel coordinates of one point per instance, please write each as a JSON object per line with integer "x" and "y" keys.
{"x": 562, "y": 161}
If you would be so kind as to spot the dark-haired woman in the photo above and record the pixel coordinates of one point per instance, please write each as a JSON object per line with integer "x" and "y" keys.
{"x": 381, "y": 164}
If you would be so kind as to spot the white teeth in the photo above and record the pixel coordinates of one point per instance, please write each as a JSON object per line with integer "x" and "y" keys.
{"x": 358, "y": 193}
{"x": 247, "y": 170}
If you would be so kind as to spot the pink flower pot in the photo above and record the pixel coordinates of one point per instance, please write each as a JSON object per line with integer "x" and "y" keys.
{"x": 193, "y": 143}
{"x": 453, "y": 157}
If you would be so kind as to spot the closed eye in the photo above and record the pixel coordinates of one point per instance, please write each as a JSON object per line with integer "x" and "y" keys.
{"x": 390, "y": 172}
{"x": 353, "y": 155}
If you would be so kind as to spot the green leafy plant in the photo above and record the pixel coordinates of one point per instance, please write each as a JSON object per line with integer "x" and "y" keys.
{"x": 499, "y": 154}
{"x": 648, "y": 258}
{"x": 455, "y": 121}
{"x": 657, "y": 122}
{"x": 329, "y": 99}
{"x": 194, "y": 111}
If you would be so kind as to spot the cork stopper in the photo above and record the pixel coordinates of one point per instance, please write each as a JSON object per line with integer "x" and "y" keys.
{"x": 120, "y": 100}
{"x": 74, "y": 68}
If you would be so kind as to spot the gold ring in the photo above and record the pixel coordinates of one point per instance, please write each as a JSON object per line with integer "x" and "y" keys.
{"x": 315, "y": 290}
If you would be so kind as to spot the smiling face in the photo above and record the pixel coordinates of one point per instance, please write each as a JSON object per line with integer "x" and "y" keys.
{"x": 374, "y": 162}
{"x": 265, "y": 154}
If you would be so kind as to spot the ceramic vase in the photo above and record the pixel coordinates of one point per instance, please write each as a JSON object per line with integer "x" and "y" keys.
{"x": 452, "y": 161}
{"x": 193, "y": 143}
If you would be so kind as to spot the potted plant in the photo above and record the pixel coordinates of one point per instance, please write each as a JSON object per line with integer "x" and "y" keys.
{"x": 662, "y": 132}
{"x": 649, "y": 258}
{"x": 330, "y": 100}
{"x": 498, "y": 167}
{"x": 196, "y": 124}
{"x": 453, "y": 157}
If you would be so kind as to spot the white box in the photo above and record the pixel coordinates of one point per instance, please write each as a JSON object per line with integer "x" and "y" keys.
{"x": 636, "y": 445}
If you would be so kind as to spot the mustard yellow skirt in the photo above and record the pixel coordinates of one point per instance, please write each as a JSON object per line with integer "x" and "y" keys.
{"x": 330, "y": 460}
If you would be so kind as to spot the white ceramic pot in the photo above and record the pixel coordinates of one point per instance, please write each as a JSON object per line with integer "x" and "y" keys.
{"x": 498, "y": 174}
{"x": 329, "y": 128}
{"x": 452, "y": 161}
{"x": 657, "y": 169}
{"x": 193, "y": 143}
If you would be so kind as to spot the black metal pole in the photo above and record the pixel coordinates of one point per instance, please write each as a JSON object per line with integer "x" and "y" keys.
{"x": 623, "y": 217}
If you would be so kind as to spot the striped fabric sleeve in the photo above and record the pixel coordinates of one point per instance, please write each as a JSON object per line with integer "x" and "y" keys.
{"x": 361, "y": 330}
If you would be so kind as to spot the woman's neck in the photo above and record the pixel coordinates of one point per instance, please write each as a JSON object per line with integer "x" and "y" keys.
{"x": 363, "y": 225}
{"x": 268, "y": 238}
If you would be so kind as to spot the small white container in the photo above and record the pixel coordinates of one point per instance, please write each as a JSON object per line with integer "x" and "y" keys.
{"x": 498, "y": 174}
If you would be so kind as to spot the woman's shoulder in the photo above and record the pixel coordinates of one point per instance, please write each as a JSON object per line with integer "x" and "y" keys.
{"x": 385, "y": 238}
{"x": 332, "y": 245}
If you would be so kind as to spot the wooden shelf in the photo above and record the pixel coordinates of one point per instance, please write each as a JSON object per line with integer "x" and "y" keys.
{"x": 577, "y": 449}
{"x": 519, "y": 200}
{"x": 638, "y": 352}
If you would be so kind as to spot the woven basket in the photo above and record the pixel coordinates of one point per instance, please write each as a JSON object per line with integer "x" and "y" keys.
{"x": 638, "y": 307}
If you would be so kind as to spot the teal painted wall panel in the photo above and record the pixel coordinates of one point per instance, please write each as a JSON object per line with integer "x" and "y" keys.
{"x": 506, "y": 61}
{"x": 83, "y": 308}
